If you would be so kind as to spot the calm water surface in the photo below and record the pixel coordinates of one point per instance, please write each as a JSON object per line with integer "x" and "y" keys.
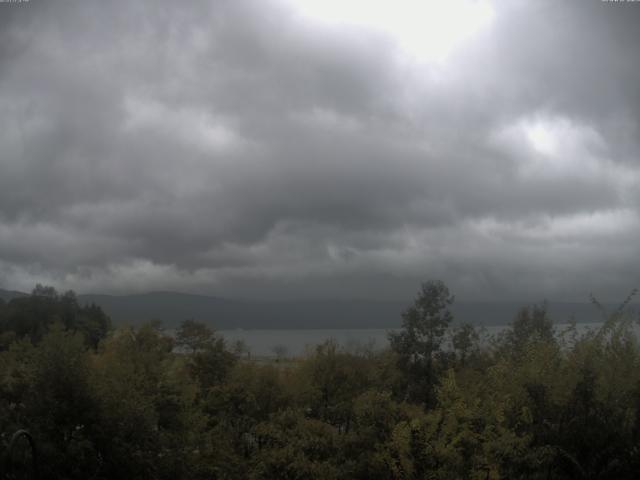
{"x": 270, "y": 343}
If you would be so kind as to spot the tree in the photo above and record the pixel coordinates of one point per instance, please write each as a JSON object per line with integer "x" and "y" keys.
{"x": 211, "y": 365}
{"x": 424, "y": 325}
{"x": 194, "y": 336}
{"x": 464, "y": 341}
{"x": 147, "y": 423}
{"x": 60, "y": 408}
{"x": 336, "y": 378}
{"x": 532, "y": 324}
{"x": 93, "y": 323}
{"x": 34, "y": 315}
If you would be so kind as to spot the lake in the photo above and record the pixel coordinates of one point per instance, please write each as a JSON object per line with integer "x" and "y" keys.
{"x": 265, "y": 343}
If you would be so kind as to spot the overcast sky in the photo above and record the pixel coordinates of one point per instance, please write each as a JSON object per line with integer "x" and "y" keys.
{"x": 336, "y": 148}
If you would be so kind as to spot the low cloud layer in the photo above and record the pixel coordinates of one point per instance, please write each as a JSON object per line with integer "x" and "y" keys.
{"x": 254, "y": 149}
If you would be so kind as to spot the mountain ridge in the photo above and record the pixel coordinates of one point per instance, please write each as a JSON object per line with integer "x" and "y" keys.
{"x": 224, "y": 314}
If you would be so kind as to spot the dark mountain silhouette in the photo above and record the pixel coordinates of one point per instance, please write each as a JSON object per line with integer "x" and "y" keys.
{"x": 7, "y": 295}
{"x": 171, "y": 308}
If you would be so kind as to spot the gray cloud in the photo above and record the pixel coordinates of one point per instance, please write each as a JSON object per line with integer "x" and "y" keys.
{"x": 238, "y": 148}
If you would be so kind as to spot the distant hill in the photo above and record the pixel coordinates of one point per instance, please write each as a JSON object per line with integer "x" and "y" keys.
{"x": 171, "y": 308}
{"x": 7, "y": 295}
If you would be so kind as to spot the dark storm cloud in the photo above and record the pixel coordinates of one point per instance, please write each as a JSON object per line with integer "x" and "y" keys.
{"x": 240, "y": 148}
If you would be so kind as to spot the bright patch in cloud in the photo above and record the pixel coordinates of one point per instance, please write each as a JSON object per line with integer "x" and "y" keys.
{"x": 554, "y": 145}
{"x": 426, "y": 29}
{"x": 579, "y": 228}
{"x": 542, "y": 138}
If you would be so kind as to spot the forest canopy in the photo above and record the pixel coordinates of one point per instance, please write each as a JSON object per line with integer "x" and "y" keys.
{"x": 441, "y": 402}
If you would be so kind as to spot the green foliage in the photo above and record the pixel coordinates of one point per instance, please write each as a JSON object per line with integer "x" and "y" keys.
{"x": 335, "y": 379}
{"x": 464, "y": 341}
{"x": 34, "y": 315}
{"x": 193, "y": 336}
{"x": 418, "y": 344}
{"x": 210, "y": 365}
{"x": 136, "y": 403}
{"x": 532, "y": 324}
